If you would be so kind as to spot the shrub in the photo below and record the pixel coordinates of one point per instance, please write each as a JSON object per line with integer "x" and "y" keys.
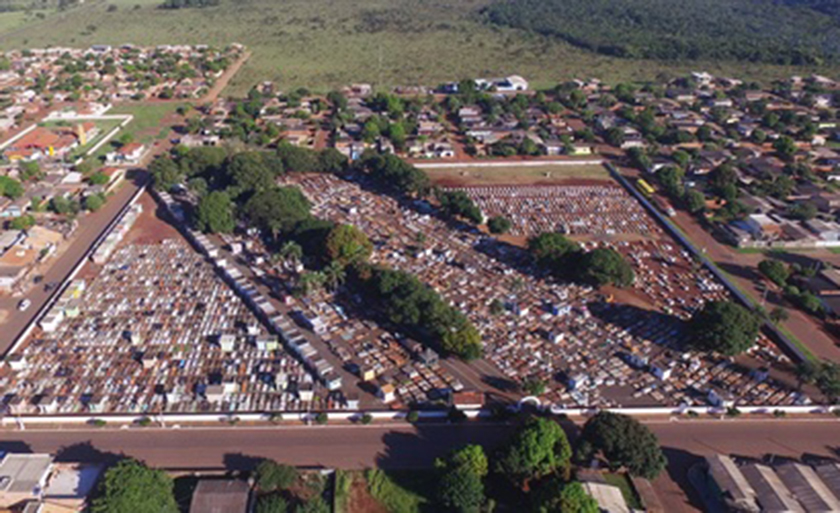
{"x": 412, "y": 416}
{"x": 321, "y": 418}
{"x": 367, "y": 418}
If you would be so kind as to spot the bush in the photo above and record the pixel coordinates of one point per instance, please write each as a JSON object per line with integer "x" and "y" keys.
{"x": 733, "y": 412}
{"x": 321, "y": 418}
{"x": 499, "y": 224}
{"x": 366, "y": 419}
{"x": 271, "y": 503}
{"x": 779, "y": 413}
{"x": 775, "y": 271}
{"x": 412, "y": 416}
{"x": 272, "y": 476}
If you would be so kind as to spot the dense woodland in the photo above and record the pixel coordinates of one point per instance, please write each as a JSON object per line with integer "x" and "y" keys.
{"x": 796, "y": 32}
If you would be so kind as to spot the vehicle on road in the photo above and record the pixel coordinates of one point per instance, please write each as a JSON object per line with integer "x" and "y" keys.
{"x": 24, "y": 304}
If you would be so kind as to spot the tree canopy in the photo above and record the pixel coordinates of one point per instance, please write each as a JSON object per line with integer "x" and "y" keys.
{"x": 552, "y": 251}
{"x": 394, "y": 174}
{"x": 347, "y": 244}
{"x": 624, "y": 442}
{"x": 725, "y": 327}
{"x": 558, "y": 496}
{"x": 405, "y": 301}
{"x": 272, "y": 476}
{"x": 457, "y": 203}
{"x": 214, "y": 213}
{"x": 604, "y": 266}
{"x": 535, "y": 450}
{"x": 277, "y": 209}
{"x": 132, "y": 487}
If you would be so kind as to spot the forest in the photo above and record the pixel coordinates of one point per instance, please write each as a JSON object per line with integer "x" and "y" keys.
{"x": 786, "y": 32}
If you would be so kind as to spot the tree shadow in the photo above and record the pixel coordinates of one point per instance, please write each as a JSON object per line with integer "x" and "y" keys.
{"x": 15, "y": 446}
{"x": 239, "y": 462}
{"x": 86, "y": 452}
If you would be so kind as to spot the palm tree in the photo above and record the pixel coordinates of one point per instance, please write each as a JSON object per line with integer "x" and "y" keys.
{"x": 334, "y": 275}
{"x": 310, "y": 282}
{"x": 292, "y": 252}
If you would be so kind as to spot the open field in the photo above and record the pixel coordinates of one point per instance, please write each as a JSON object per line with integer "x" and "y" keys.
{"x": 17, "y": 19}
{"x": 322, "y": 44}
{"x": 548, "y": 174}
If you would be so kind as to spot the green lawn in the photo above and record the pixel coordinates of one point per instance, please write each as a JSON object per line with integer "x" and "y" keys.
{"x": 401, "y": 491}
{"x": 627, "y": 489}
{"x": 322, "y": 44}
{"x": 514, "y": 174}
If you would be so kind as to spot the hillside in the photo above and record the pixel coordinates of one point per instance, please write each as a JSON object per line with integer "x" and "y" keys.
{"x": 787, "y": 32}
{"x": 321, "y": 44}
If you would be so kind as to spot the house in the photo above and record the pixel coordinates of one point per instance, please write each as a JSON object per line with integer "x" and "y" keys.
{"x": 221, "y": 496}
{"x": 127, "y": 155}
{"x": 23, "y": 477}
{"x": 69, "y": 486}
{"x": 725, "y": 480}
{"x": 468, "y": 400}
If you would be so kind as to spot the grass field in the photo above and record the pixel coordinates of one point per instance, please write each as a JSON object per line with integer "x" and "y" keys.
{"x": 515, "y": 174}
{"x": 321, "y": 44}
{"x": 145, "y": 127}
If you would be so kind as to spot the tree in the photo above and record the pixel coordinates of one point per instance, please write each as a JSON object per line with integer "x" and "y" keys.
{"x": 10, "y": 188}
{"x": 551, "y": 250}
{"x": 624, "y": 442}
{"x": 291, "y": 251}
{"x": 778, "y": 315}
{"x": 298, "y": 160}
{"x": 271, "y": 503}
{"x": 462, "y": 339}
{"x": 695, "y": 201}
{"x": 314, "y": 505}
{"x": 272, "y": 476}
{"x": 132, "y": 487}
{"x": 785, "y": 146}
{"x": 803, "y": 211}
{"x": 99, "y": 178}
{"x": 215, "y": 214}
{"x": 94, "y": 202}
{"x": 775, "y": 271}
{"x": 347, "y": 245}
{"x": 471, "y": 457}
{"x": 461, "y": 490}
{"x": 457, "y": 203}
{"x": 604, "y": 266}
{"x": 165, "y": 173}
{"x": 828, "y": 381}
{"x": 537, "y": 449}
{"x": 277, "y": 209}
{"x": 534, "y": 386}
{"x": 725, "y": 327}
{"x": 248, "y": 173}
{"x": 334, "y": 275}
{"x": 557, "y": 496}
{"x": 499, "y": 224}
{"x": 22, "y": 223}
{"x": 332, "y": 161}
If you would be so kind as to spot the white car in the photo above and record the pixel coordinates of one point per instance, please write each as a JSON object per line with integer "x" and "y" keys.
{"x": 24, "y": 304}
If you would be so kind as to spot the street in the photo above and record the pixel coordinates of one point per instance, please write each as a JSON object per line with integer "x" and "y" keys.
{"x": 406, "y": 446}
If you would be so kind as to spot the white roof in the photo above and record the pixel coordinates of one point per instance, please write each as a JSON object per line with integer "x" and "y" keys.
{"x": 23, "y": 473}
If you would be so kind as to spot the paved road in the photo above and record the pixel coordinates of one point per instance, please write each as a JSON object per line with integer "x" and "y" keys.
{"x": 404, "y": 446}
{"x": 90, "y": 228}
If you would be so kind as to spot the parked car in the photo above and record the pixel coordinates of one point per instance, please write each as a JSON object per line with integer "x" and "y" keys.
{"x": 24, "y": 304}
